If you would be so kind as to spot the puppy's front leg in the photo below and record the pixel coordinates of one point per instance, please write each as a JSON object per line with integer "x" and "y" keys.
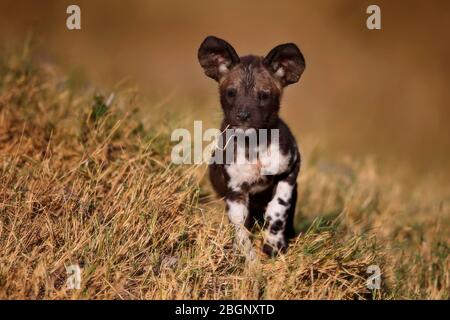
{"x": 237, "y": 207}
{"x": 277, "y": 212}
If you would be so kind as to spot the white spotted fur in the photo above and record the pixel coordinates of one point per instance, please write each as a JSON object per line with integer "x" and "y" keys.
{"x": 250, "y": 171}
{"x": 277, "y": 211}
{"x": 284, "y": 192}
{"x": 237, "y": 212}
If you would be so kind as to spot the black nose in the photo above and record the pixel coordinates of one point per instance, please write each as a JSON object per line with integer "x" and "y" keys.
{"x": 243, "y": 115}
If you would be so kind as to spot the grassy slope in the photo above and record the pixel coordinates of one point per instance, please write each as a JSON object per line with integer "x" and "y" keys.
{"x": 89, "y": 182}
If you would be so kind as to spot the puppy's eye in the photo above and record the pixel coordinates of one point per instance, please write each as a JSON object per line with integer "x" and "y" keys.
{"x": 263, "y": 95}
{"x": 231, "y": 93}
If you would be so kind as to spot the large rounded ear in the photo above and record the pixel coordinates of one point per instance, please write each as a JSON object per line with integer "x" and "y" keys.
{"x": 286, "y": 62}
{"x": 217, "y": 57}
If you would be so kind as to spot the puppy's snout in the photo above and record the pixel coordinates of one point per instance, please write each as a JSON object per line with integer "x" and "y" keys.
{"x": 243, "y": 115}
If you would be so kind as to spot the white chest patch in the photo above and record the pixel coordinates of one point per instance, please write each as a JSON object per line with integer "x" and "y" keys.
{"x": 250, "y": 171}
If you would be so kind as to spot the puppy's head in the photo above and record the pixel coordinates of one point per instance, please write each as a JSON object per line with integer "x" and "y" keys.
{"x": 250, "y": 86}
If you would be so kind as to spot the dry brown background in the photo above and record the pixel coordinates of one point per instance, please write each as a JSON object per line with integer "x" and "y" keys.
{"x": 364, "y": 92}
{"x": 78, "y": 173}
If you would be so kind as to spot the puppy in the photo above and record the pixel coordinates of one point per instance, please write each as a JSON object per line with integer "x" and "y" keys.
{"x": 250, "y": 92}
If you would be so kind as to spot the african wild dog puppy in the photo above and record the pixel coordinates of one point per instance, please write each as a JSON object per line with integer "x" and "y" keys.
{"x": 250, "y": 93}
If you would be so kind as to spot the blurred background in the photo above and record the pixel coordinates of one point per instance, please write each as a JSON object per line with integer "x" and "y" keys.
{"x": 364, "y": 92}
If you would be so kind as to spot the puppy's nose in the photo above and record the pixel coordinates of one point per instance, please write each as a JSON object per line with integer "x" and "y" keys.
{"x": 243, "y": 115}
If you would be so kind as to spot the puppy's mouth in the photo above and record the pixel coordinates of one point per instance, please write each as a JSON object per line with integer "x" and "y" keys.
{"x": 246, "y": 130}
{"x": 243, "y": 128}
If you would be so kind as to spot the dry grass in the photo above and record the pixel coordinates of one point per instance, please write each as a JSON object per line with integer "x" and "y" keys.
{"x": 86, "y": 181}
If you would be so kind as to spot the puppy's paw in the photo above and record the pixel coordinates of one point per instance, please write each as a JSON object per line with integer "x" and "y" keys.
{"x": 273, "y": 250}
